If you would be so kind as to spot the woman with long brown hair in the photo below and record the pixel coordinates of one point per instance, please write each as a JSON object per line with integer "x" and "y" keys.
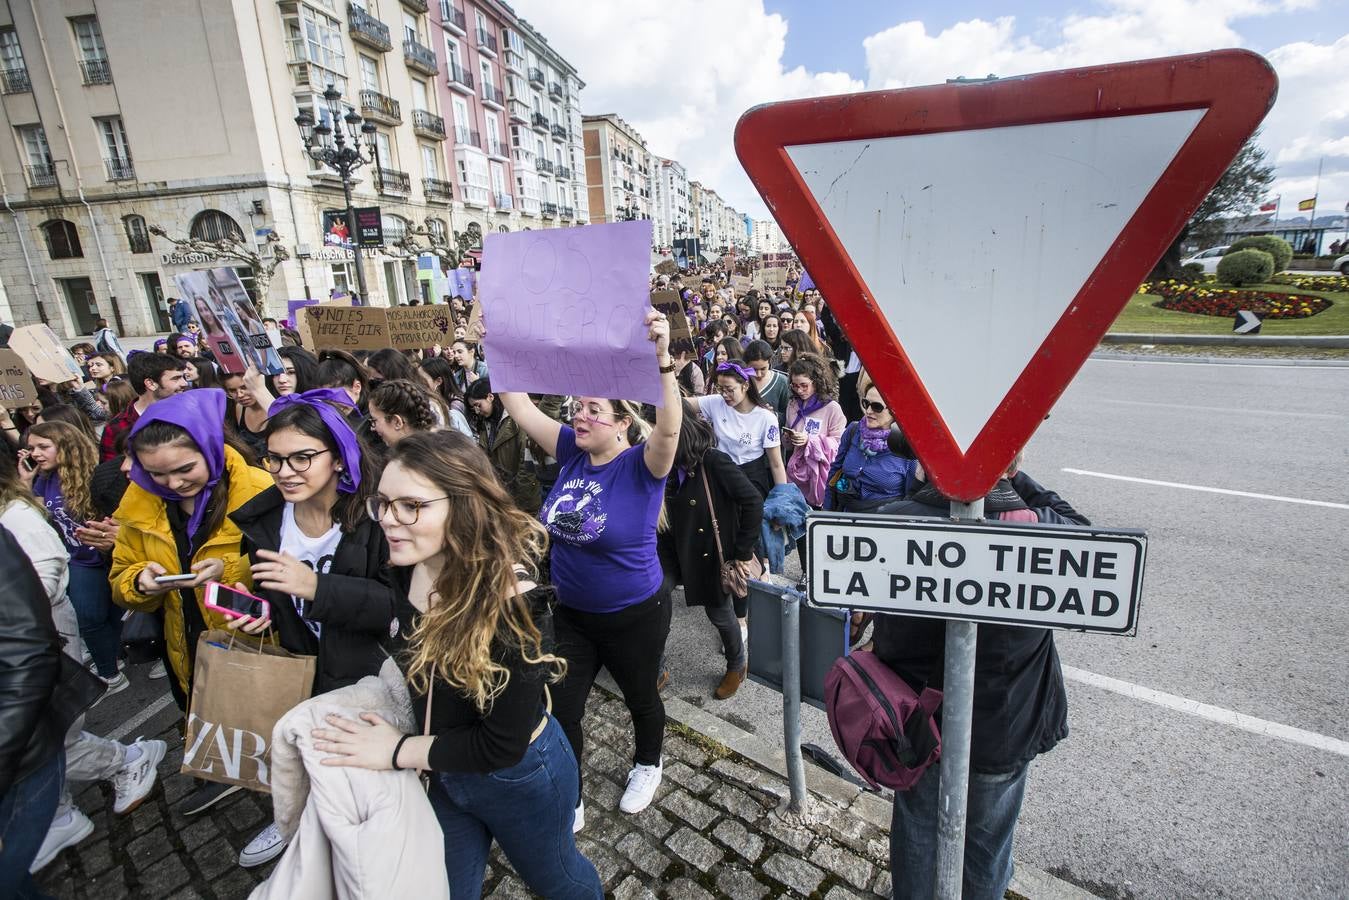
{"x": 478, "y": 658}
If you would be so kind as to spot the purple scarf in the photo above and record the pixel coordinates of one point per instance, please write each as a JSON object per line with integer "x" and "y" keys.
{"x": 873, "y": 440}
{"x": 201, "y": 413}
{"x": 804, "y": 410}
{"x": 348, "y": 445}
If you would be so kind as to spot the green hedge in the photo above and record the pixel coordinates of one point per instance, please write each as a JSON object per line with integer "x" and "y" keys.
{"x": 1277, "y": 247}
{"x": 1245, "y": 267}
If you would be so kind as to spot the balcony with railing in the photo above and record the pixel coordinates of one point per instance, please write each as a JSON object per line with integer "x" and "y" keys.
{"x": 515, "y": 62}
{"x": 419, "y": 6}
{"x": 567, "y": 212}
{"x": 119, "y": 168}
{"x": 495, "y": 147}
{"x": 392, "y": 181}
{"x": 428, "y": 124}
{"x": 366, "y": 29}
{"x": 549, "y": 210}
{"x": 41, "y": 176}
{"x": 15, "y": 81}
{"x": 555, "y": 90}
{"x": 539, "y": 121}
{"x": 420, "y": 57}
{"x": 492, "y": 96}
{"x": 453, "y": 17}
{"x": 378, "y": 108}
{"x": 563, "y": 172}
{"x": 559, "y": 132}
{"x": 96, "y": 71}
{"x": 438, "y": 189}
{"x": 487, "y": 41}
{"x": 461, "y": 79}
{"x": 466, "y": 136}
{"x": 519, "y": 110}
{"x": 544, "y": 165}
{"x": 536, "y": 76}
{"x": 505, "y": 201}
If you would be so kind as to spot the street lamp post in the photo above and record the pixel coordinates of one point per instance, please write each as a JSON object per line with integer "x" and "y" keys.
{"x": 342, "y": 152}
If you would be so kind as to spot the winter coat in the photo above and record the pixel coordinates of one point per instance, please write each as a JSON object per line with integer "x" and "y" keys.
{"x": 181, "y": 314}
{"x": 146, "y": 537}
{"x": 354, "y": 833}
{"x": 353, "y": 604}
{"x": 689, "y": 546}
{"x": 506, "y": 450}
{"x": 1020, "y": 705}
{"x": 51, "y": 560}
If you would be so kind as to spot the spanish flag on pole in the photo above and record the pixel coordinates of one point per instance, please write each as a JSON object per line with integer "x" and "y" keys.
{"x": 1304, "y": 205}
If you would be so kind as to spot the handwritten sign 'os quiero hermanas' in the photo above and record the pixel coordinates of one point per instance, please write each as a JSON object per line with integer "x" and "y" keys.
{"x": 565, "y": 311}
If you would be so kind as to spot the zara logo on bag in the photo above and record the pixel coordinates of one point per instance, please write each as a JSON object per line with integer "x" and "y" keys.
{"x": 230, "y": 747}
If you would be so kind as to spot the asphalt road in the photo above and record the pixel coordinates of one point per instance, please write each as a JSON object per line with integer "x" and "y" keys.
{"x": 1244, "y": 610}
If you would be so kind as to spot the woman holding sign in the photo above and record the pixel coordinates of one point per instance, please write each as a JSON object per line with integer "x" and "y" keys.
{"x": 602, "y": 512}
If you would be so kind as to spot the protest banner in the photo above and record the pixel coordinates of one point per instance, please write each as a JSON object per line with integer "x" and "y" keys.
{"x": 463, "y": 283}
{"x": 16, "y": 383}
{"x": 293, "y": 308}
{"x": 741, "y": 284}
{"x": 565, "y": 311}
{"x": 667, "y": 267}
{"x": 413, "y": 327}
{"x": 681, "y": 336}
{"x": 347, "y": 327}
{"x": 756, "y": 280}
{"x": 775, "y": 278}
{"x": 44, "y": 354}
{"x": 302, "y": 317}
{"x": 473, "y": 333}
{"x": 233, "y": 328}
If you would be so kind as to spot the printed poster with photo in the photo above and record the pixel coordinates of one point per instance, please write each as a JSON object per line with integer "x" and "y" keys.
{"x": 234, "y": 331}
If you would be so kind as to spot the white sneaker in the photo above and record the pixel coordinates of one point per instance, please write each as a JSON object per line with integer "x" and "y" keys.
{"x": 67, "y": 830}
{"x": 158, "y": 670}
{"x": 580, "y": 821}
{"x": 116, "y": 685}
{"x": 642, "y": 784}
{"x": 264, "y": 848}
{"x": 134, "y": 781}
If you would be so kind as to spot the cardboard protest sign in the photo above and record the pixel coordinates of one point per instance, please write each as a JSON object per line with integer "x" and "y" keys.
{"x": 234, "y": 330}
{"x": 741, "y": 284}
{"x": 16, "y": 384}
{"x": 667, "y": 267}
{"x": 473, "y": 333}
{"x": 681, "y": 336}
{"x": 44, "y": 354}
{"x": 565, "y": 310}
{"x": 775, "y": 278}
{"x": 302, "y": 317}
{"x": 412, "y": 327}
{"x": 757, "y": 281}
{"x": 347, "y": 327}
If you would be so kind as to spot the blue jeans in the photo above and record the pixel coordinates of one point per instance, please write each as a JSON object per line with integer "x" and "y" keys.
{"x": 528, "y": 809}
{"x": 994, "y": 805}
{"x": 100, "y": 619}
{"x": 26, "y": 812}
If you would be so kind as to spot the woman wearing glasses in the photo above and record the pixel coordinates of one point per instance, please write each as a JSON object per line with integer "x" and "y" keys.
{"x": 317, "y": 558}
{"x": 866, "y": 472}
{"x": 747, "y": 430}
{"x": 613, "y": 611}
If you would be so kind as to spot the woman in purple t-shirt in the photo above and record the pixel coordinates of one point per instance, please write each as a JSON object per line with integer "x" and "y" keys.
{"x": 601, "y": 515}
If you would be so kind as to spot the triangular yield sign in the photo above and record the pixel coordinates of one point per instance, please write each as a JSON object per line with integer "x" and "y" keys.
{"x": 975, "y": 241}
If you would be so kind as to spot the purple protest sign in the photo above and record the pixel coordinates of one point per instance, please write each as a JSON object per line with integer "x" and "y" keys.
{"x": 565, "y": 310}
{"x": 294, "y": 306}
{"x": 462, "y": 282}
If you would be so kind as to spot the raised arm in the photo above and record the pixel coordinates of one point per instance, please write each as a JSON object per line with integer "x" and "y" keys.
{"x": 659, "y": 452}
{"x": 536, "y": 423}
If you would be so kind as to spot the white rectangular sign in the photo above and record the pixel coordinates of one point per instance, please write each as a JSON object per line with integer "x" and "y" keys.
{"x": 1083, "y": 579}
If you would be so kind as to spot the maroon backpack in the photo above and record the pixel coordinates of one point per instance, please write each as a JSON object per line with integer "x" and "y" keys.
{"x": 883, "y": 728}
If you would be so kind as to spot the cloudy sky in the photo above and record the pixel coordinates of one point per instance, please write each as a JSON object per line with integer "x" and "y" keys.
{"x": 682, "y": 71}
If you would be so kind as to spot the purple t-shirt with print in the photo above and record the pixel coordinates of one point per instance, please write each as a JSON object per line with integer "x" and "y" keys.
{"x": 602, "y": 520}
{"x": 48, "y": 490}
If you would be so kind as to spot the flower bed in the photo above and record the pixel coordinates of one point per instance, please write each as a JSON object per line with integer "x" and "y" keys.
{"x": 1207, "y": 300}
{"x": 1329, "y": 283}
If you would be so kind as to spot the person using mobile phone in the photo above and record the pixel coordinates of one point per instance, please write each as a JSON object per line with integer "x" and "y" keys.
{"x": 316, "y": 557}
{"x": 185, "y": 480}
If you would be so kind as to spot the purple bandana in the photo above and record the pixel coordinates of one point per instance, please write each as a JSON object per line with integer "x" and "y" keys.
{"x": 348, "y": 445}
{"x": 805, "y": 409}
{"x": 201, "y": 413}
{"x": 732, "y": 368}
{"x": 874, "y": 440}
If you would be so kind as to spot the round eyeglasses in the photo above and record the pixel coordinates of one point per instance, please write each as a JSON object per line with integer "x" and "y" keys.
{"x": 405, "y": 509}
{"x": 298, "y": 462}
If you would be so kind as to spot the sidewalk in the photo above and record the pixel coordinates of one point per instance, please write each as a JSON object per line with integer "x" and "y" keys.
{"x": 712, "y": 831}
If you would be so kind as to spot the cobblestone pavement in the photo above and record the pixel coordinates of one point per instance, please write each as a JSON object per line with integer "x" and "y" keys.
{"x": 712, "y": 832}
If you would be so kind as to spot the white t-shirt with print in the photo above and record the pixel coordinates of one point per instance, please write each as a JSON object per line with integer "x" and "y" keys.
{"x": 316, "y": 553}
{"x": 742, "y": 436}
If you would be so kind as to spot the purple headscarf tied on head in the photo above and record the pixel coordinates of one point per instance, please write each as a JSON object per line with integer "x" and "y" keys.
{"x": 348, "y": 445}
{"x": 729, "y": 367}
{"x": 201, "y": 413}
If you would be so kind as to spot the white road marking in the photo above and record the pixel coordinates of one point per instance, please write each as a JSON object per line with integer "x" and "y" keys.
{"x": 1255, "y": 363}
{"x": 1223, "y": 409}
{"x": 1210, "y": 490}
{"x": 1212, "y": 713}
{"x": 141, "y": 717}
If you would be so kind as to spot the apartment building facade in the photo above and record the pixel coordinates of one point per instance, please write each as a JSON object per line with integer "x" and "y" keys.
{"x": 181, "y": 114}
{"x": 670, "y": 195}
{"x": 619, "y": 172}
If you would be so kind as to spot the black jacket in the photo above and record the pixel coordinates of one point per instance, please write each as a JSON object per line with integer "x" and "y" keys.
{"x": 690, "y": 549}
{"x": 30, "y": 667}
{"x": 354, "y": 604}
{"x": 1020, "y": 706}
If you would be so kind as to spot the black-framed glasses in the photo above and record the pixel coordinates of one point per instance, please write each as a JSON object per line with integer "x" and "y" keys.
{"x": 405, "y": 509}
{"x": 298, "y": 462}
{"x": 873, "y": 407}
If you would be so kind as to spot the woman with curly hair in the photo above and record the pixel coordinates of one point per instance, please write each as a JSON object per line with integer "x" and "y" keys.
{"x": 59, "y": 462}
{"x": 399, "y": 409}
{"x": 477, "y": 653}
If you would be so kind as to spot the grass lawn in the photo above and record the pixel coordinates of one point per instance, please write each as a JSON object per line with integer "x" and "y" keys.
{"x": 1141, "y": 317}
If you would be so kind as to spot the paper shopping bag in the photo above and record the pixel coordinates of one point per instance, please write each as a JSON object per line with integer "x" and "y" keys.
{"x": 238, "y": 694}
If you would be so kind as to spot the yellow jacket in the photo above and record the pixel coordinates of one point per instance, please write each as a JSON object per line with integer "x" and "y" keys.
{"x": 145, "y": 537}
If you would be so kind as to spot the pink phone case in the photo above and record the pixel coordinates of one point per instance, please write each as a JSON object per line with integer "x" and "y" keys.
{"x": 210, "y": 602}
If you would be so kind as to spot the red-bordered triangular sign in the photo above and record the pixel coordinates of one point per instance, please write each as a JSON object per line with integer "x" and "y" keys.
{"x": 976, "y": 240}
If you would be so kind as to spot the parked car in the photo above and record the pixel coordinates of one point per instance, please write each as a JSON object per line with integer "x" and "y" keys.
{"x": 1207, "y": 258}
{"x": 1342, "y": 265}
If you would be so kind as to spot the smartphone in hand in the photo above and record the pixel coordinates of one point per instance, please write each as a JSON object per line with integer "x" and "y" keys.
{"x": 173, "y": 579}
{"x": 235, "y": 603}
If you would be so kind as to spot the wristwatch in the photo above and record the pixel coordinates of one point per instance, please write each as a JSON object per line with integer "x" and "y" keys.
{"x": 667, "y": 369}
